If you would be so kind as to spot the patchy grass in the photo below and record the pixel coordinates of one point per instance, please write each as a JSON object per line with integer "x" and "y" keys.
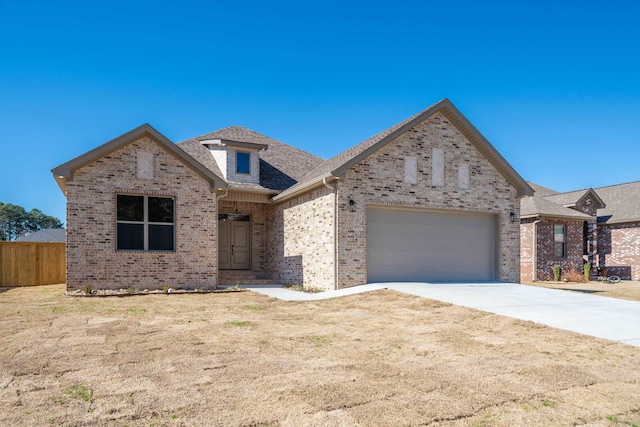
{"x": 299, "y": 288}
{"x": 240, "y": 323}
{"x": 627, "y": 289}
{"x": 379, "y": 358}
{"x": 78, "y": 392}
{"x": 252, "y": 307}
{"x": 136, "y": 311}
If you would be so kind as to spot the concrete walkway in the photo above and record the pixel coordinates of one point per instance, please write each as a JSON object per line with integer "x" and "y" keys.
{"x": 610, "y": 318}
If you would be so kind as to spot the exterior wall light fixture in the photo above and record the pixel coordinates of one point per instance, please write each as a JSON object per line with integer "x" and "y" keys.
{"x": 512, "y": 216}
{"x": 352, "y": 205}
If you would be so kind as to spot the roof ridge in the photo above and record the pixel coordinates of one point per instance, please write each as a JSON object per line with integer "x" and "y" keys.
{"x": 198, "y": 137}
{"x": 617, "y": 185}
{"x": 567, "y": 192}
{"x": 256, "y": 133}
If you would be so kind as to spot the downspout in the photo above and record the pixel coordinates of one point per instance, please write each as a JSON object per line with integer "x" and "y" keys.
{"x": 334, "y": 190}
{"x": 535, "y": 249}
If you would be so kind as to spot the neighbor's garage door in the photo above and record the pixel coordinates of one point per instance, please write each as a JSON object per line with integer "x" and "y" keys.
{"x": 418, "y": 245}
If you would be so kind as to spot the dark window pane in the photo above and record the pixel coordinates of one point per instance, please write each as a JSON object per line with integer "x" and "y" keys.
{"x": 160, "y": 237}
{"x": 130, "y": 208}
{"x": 131, "y": 236}
{"x": 160, "y": 209}
{"x": 242, "y": 163}
{"x": 559, "y": 250}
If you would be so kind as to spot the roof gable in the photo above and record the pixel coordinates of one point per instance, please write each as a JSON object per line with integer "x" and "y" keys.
{"x": 339, "y": 164}
{"x": 65, "y": 171}
{"x": 538, "y": 207}
{"x": 573, "y": 198}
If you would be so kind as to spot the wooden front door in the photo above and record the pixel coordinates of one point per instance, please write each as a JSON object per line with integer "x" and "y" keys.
{"x": 234, "y": 242}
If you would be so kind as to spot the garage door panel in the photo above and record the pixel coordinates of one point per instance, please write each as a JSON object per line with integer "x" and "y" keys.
{"x": 414, "y": 245}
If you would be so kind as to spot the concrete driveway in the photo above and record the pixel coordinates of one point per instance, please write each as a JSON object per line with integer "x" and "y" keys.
{"x": 610, "y": 318}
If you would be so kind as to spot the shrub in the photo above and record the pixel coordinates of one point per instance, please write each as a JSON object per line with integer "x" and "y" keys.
{"x": 587, "y": 271}
{"x": 573, "y": 275}
{"x": 557, "y": 272}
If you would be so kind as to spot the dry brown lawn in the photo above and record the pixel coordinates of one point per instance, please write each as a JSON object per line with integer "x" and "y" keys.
{"x": 243, "y": 359}
{"x": 623, "y": 290}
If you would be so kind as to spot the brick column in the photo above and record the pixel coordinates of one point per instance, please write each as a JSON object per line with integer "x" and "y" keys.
{"x": 592, "y": 231}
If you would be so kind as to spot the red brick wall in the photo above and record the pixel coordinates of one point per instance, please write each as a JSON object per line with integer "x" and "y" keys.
{"x": 619, "y": 249}
{"x": 545, "y": 254}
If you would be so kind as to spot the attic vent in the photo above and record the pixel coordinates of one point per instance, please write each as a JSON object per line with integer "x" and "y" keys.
{"x": 411, "y": 170}
{"x": 463, "y": 176}
{"x": 437, "y": 167}
{"x": 145, "y": 165}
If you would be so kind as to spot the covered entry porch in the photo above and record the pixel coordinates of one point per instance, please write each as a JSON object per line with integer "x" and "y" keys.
{"x": 242, "y": 239}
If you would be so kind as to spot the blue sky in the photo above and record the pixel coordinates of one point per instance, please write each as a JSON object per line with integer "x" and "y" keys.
{"x": 554, "y": 86}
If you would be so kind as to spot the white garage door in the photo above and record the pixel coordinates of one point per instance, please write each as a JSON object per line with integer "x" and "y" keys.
{"x": 418, "y": 246}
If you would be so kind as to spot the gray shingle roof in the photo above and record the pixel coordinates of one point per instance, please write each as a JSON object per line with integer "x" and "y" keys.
{"x": 571, "y": 198}
{"x": 540, "y": 206}
{"x": 541, "y": 191}
{"x": 48, "y": 235}
{"x": 623, "y": 203}
{"x": 281, "y": 165}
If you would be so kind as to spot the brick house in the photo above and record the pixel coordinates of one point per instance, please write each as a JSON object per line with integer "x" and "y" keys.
{"x": 427, "y": 199}
{"x": 600, "y": 226}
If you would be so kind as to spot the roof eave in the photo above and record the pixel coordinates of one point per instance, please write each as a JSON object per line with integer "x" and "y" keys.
{"x": 253, "y": 190}
{"x": 620, "y": 221}
{"x": 230, "y": 142}
{"x": 561, "y": 217}
{"x": 62, "y": 183}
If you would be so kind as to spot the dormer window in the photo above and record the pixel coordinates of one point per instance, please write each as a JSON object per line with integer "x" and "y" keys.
{"x": 243, "y": 162}
{"x": 238, "y": 161}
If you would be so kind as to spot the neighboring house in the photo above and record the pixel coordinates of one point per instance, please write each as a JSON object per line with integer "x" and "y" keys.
{"x": 600, "y": 226}
{"x": 427, "y": 199}
{"x": 55, "y": 235}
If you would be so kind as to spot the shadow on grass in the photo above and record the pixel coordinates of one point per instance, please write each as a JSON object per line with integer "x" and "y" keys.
{"x": 584, "y": 291}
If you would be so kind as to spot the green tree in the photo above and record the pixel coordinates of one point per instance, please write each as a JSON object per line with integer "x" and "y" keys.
{"x": 15, "y": 221}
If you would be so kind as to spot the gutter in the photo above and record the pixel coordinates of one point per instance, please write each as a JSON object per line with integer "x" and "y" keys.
{"x": 218, "y": 197}
{"x": 253, "y": 190}
{"x": 334, "y": 190}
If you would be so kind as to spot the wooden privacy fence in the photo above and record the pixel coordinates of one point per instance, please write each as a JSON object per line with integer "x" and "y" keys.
{"x": 32, "y": 263}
